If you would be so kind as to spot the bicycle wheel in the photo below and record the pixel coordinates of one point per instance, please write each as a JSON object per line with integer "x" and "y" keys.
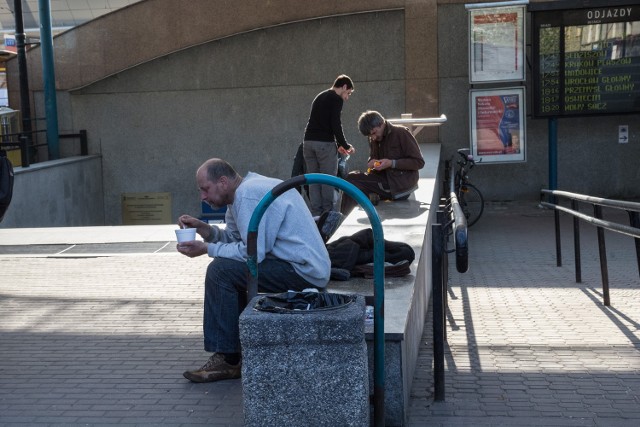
{"x": 471, "y": 202}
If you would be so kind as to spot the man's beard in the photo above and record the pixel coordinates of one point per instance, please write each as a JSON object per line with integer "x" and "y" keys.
{"x": 214, "y": 207}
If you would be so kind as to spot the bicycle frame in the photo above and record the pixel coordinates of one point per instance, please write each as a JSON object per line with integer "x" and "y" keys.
{"x": 462, "y": 173}
{"x": 469, "y": 197}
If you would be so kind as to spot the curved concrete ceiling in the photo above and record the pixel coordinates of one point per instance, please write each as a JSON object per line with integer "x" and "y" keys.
{"x": 150, "y": 29}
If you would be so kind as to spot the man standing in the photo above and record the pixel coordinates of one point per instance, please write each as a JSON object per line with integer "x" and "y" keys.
{"x": 291, "y": 256}
{"x": 323, "y": 139}
{"x": 393, "y": 165}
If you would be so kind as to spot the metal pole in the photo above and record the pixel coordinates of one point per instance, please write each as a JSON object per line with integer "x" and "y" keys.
{"x": 24, "y": 153}
{"x": 437, "y": 249}
{"x": 25, "y": 105}
{"x": 634, "y": 221}
{"x": 576, "y": 242}
{"x": 556, "y": 217}
{"x": 553, "y": 178}
{"x": 597, "y": 212}
{"x": 84, "y": 147}
{"x": 553, "y": 153}
{"x": 48, "y": 74}
{"x": 445, "y": 284}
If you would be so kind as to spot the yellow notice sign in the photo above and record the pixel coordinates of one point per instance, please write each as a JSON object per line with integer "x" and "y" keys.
{"x": 146, "y": 208}
{"x": 15, "y": 157}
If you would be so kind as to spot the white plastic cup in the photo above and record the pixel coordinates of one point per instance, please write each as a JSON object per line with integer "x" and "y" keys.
{"x": 186, "y": 234}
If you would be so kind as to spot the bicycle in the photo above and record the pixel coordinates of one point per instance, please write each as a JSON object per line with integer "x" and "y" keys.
{"x": 469, "y": 197}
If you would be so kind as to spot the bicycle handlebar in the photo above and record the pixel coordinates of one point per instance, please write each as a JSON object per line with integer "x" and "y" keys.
{"x": 466, "y": 156}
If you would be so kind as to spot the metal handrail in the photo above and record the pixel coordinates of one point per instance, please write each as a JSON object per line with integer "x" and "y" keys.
{"x": 419, "y": 123}
{"x": 609, "y": 203}
{"x": 611, "y": 226}
{"x": 425, "y": 121}
{"x": 455, "y": 218}
{"x": 10, "y": 143}
{"x": 633, "y": 230}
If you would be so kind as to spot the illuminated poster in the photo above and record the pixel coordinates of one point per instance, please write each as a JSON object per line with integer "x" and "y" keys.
{"x": 496, "y": 46}
{"x": 498, "y": 125}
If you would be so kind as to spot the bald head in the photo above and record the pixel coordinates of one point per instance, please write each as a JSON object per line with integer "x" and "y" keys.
{"x": 217, "y": 181}
{"x": 214, "y": 169}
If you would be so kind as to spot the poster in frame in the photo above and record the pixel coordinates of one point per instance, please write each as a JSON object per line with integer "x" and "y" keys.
{"x": 496, "y": 44}
{"x": 497, "y": 125}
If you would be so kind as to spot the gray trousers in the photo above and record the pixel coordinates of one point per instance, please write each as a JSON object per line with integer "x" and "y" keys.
{"x": 321, "y": 157}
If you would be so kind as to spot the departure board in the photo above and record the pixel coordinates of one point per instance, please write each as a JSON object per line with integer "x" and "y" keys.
{"x": 586, "y": 61}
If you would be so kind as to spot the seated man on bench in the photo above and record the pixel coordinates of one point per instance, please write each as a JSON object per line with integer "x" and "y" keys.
{"x": 291, "y": 256}
{"x": 393, "y": 165}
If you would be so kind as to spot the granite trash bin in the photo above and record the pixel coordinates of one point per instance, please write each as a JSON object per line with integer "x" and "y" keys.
{"x": 304, "y": 367}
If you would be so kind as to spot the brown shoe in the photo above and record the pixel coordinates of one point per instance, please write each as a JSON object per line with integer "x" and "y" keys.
{"x": 215, "y": 369}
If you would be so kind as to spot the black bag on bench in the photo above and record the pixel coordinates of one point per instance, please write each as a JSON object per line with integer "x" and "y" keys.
{"x": 355, "y": 254}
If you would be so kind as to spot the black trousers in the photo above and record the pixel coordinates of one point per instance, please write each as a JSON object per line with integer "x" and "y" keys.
{"x": 373, "y": 183}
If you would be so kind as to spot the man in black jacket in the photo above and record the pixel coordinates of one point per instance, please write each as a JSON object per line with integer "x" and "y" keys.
{"x": 324, "y": 139}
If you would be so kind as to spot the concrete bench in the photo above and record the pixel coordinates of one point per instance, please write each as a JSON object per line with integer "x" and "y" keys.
{"x": 406, "y": 298}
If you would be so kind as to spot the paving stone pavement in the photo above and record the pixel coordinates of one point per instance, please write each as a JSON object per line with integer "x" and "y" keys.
{"x": 103, "y": 339}
{"x": 526, "y": 344}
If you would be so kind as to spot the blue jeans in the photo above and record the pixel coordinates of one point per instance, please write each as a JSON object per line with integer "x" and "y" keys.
{"x": 225, "y": 297}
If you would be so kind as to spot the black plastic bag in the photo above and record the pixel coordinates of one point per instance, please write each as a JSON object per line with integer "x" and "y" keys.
{"x": 302, "y": 302}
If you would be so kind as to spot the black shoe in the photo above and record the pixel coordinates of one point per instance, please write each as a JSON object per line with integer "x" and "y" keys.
{"x": 215, "y": 369}
{"x": 329, "y": 223}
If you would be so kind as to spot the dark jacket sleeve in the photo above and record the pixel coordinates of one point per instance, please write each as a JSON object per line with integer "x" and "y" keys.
{"x": 399, "y": 144}
{"x": 410, "y": 157}
{"x": 336, "y": 123}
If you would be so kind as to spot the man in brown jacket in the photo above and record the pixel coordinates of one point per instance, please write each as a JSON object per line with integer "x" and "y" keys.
{"x": 393, "y": 165}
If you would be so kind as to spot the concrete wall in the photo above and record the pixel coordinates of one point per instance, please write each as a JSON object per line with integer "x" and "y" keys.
{"x": 244, "y": 98}
{"x": 58, "y": 193}
{"x": 152, "y": 29}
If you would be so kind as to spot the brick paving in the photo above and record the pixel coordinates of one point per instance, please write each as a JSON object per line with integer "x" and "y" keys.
{"x": 526, "y": 344}
{"x": 103, "y": 340}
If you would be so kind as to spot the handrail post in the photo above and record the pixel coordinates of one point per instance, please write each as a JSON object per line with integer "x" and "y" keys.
{"x": 24, "y": 150}
{"x": 84, "y": 148}
{"x": 441, "y": 218}
{"x": 445, "y": 283}
{"x": 597, "y": 212}
{"x": 446, "y": 182}
{"x": 632, "y": 209}
{"x": 556, "y": 217}
{"x": 437, "y": 254}
{"x": 634, "y": 221}
{"x": 576, "y": 242}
